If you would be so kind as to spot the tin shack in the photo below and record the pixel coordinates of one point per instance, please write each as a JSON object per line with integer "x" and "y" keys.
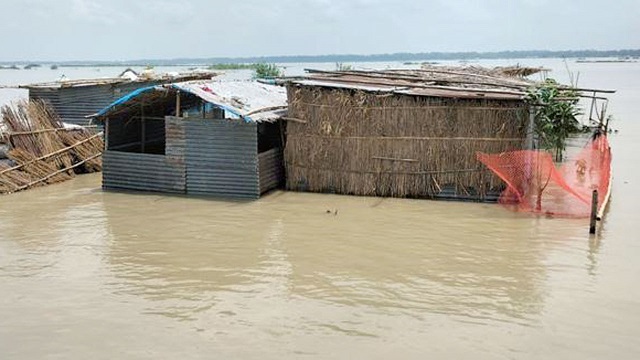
{"x": 74, "y": 100}
{"x": 206, "y": 138}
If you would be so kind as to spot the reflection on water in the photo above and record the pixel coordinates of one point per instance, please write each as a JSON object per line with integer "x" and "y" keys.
{"x": 398, "y": 257}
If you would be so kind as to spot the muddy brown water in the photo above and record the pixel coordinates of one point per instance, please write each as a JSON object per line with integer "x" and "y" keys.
{"x": 92, "y": 274}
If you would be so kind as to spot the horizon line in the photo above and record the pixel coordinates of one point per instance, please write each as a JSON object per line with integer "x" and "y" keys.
{"x": 395, "y": 56}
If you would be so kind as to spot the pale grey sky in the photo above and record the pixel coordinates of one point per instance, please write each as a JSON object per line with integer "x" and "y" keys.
{"x": 133, "y": 29}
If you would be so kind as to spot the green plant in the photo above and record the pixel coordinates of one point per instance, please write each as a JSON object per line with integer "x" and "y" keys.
{"x": 556, "y": 110}
{"x": 267, "y": 71}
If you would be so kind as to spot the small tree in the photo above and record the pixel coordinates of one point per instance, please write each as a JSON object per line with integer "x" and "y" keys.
{"x": 267, "y": 71}
{"x": 556, "y": 111}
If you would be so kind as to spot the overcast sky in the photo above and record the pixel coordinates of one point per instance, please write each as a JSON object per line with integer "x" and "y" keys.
{"x": 141, "y": 29}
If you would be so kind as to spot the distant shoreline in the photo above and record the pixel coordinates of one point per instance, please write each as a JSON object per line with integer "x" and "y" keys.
{"x": 406, "y": 57}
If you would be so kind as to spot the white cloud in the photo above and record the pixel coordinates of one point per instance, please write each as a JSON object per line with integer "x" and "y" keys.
{"x": 129, "y": 29}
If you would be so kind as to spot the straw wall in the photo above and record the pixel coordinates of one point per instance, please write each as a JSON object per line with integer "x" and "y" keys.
{"x": 353, "y": 142}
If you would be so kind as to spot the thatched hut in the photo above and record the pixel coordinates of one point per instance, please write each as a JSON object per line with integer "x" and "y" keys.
{"x": 74, "y": 100}
{"x": 206, "y": 138}
{"x": 410, "y": 133}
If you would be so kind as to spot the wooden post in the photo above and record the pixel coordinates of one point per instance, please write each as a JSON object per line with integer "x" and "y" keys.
{"x": 594, "y": 212}
{"x": 593, "y": 104}
{"x": 531, "y": 126}
{"x": 106, "y": 134}
{"x": 178, "y": 103}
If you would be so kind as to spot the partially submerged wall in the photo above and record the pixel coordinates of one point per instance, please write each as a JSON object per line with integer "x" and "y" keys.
{"x": 221, "y": 158}
{"x": 128, "y": 170}
{"x": 353, "y": 142}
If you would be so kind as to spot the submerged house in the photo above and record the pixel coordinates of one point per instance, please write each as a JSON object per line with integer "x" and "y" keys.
{"x": 74, "y": 100}
{"x": 404, "y": 133}
{"x": 207, "y": 138}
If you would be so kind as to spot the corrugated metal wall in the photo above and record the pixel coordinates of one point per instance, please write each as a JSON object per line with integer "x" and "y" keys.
{"x": 271, "y": 169}
{"x": 145, "y": 172}
{"x": 73, "y": 104}
{"x": 203, "y": 157}
{"x": 221, "y": 158}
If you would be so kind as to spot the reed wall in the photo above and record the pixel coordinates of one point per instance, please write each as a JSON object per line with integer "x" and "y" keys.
{"x": 362, "y": 143}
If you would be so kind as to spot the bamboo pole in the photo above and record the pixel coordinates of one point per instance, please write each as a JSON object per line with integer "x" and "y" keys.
{"x": 594, "y": 210}
{"x": 605, "y": 201}
{"x": 294, "y": 120}
{"x": 17, "y": 133}
{"x": 400, "y": 137}
{"x": 393, "y": 159}
{"x": 23, "y": 187}
{"x": 58, "y": 152}
{"x": 265, "y": 109}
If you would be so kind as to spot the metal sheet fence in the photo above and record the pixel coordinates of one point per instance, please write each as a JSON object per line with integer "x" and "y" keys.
{"x": 271, "y": 169}
{"x": 145, "y": 172}
{"x": 221, "y": 158}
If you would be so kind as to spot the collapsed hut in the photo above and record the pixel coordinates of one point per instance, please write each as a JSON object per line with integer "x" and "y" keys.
{"x": 74, "y": 100}
{"x": 205, "y": 138}
{"x": 37, "y": 148}
{"x": 404, "y": 133}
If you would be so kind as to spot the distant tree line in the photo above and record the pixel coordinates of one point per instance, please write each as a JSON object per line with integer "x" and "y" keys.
{"x": 441, "y": 56}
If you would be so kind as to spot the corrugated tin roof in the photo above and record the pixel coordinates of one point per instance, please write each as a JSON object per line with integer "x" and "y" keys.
{"x": 249, "y": 100}
{"x": 149, "y": 77}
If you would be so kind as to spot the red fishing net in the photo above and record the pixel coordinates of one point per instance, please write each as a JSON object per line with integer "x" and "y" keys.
{"x": 535, "y": 184}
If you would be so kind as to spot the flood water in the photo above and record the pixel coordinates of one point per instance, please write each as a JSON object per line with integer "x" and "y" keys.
{"x": 91, "y": 274}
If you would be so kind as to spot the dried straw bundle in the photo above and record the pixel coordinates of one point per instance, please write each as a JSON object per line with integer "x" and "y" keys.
{"x": 43, "y": 149}
{"x": 354, "y": 142}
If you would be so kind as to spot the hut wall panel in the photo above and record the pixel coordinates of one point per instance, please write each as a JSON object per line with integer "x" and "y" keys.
{"x": 175, "y": 137}
{"x": 359, "y": 143}
{"x": 48, "y": 95}
{"x": 73, "y": 104}
{"x": 221, "y": 158}
{"x": 144, "y": 172}
{"x": 270, "y": 169}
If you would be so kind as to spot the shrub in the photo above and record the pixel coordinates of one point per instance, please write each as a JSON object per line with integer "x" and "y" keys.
{"x": 267, "y": 71}
{"x": 556, "y": 110}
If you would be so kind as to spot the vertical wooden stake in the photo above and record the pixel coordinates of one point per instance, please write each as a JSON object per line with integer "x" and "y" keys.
{"x": 594, "y": 212}
{"x": 106, "y": 134}
{"x": 178, "y": 103}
